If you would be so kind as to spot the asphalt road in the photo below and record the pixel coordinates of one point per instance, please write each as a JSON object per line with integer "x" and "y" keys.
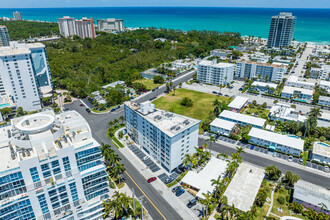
{"x": 99, "y": 126}
{"x": 263, "y": 162}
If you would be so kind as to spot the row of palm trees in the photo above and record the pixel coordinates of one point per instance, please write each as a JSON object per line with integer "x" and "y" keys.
{"x": 200, "y": 157}
{"x": 114, "y": 168}
{"x": 219, "y": 106}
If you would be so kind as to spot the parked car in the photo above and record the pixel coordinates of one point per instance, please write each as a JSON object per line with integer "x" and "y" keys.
{"x": 180, "y": 192}
{"x": 252, "y": 147}
{"x": 82, "y": 105}
{"x": 300, "y": 161}
{"x": 118, "y": 107}
{"x": 175, "y": 189}
{"x": 290, "y": 158}
{"x": 169, "y": 180}
{"x": 145, "y": 158}
{"x": 88, "y": 110}
{"x": 274, "y": 154}
{"x": 178, "y": 170}
{"x": 326, "y": 169}
{"x": 192, "y": 203}
{"x": 150, "y": 180}
{"x": 112, "y": 110}
{"x": 214, "y": 92}
{"x": 153, "y": 90}
{"x": 157, "y": 87}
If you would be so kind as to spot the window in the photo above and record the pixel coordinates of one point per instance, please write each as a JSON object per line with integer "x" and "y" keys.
{"x": 34, "y": 174}
{"x": 55, "y": 163}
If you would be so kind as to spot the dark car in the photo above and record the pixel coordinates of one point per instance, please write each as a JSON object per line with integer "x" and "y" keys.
{"x": 157, "y": 87}
{"x": 112, "y": 110}
{"x": 192, "y": 203}
{"x": 175, "y": 189}
{"x": 214, "y": 92}
{"x": 118, "y": 107}
{"x": 178, "y": 170}
{"x": 153, "y": 90}
{"x": 150, "y": 180}
{"x": 82, "y": 105}
{"x": 252, "y": 147}
{"x": 88, "y": 110}
{"x": 180, "y": 192}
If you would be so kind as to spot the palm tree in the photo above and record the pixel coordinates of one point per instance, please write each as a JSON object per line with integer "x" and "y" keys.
{"x": 273, "y": 172}
{"x": 211, "y": 139}
{"x": 291, "y": 178}
{"x": 121, "y": 119}
{"x": 115, "y": 121}
{"x": 217, "y": 183}
{"x": 208, "y": 199}
{"x": 323, "y": 206}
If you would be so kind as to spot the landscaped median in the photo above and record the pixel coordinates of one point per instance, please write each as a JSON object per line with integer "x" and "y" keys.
{"x": 114, "y": 127}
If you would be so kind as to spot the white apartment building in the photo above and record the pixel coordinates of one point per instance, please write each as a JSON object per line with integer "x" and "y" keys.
{"x": 165, "y": 136}
{"x": 284, "y": 112}
{"x": 51, "y": 168}
{"x": 295, "y": 82}
{"x": 110, "y": 24}
{"x": 259, "y": 57}
{"x": 221, "y": 126}
{"x": 238, "y": 104}
{"x": 325, "y": 85}
{"x": 215, "y": 73}
{"x": 82, "y": 28}
{"x": 324, "y": 100}
{"x": 25, "y": 74}
{"x": 263, "y": 86}
{"x": 242, "y": 119}
{"x": 297, "y": 93}
{"x": 321, "y": 153}
{"x": 67, "y": 26}
{"x": 223, "y": 54}
{"x": 275, "y": 141}
{"x": 17, "y": 16}
{"x": 264, "y": 71}
{"x": 4, "y": 36}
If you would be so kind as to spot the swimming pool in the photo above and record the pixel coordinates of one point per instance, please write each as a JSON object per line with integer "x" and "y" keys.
{"x": 293, "y": 136}
{"x": 323, "y": 144}
{"x": 4, "y": 105}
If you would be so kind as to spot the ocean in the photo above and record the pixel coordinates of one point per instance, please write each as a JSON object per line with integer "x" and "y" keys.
{"x": 313, "y": 25}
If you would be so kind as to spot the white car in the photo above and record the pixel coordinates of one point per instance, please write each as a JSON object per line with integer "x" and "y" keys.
{"x": 326, "y": 169}
{"x": 145, "y": 158}
{"x": 290, "y": 158}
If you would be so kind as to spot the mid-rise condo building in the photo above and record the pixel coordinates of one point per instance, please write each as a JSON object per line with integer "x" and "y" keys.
{"x": 264, "y": 71}
{"x": 82, "y": 28}
{"x": 25, "y": 74}
{"x": 296, "y": 82}
{"x": 67, "y": 26}
{"x": 110, "y": 24}
{"x": 51, "y": 168}
{"x": 215, "y": 73}
{"x": 4, "y": 36}
{"x": 165, "y": 136}
{"x": 17, "y": 16}
{"x": 281, "y": 30}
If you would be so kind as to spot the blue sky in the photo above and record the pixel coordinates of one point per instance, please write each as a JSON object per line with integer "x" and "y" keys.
{"x": 164, "y": 3}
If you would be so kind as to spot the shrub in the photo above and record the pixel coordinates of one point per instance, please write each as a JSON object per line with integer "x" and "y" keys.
{"x": 186, "y": 102}
{"x": 322, "y": 138}
{"x": 158, "y": 79}
{"x": 281, "y": 200}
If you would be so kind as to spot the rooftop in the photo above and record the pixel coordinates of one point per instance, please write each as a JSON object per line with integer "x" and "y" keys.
{"x": 244, "y": 186}
{"x": 324, "y": 98}
{"x": 277, "y": 138}
{"x": 321, "y": 149}
{"x": 295, "y": 79}
{"x": 203, "y": 179}
{"x": 284, "y": 111}
{"x": 243, "y": 118}
{"x": 221, "y": 123}
{"x": 19, "y": 48}
{"x": 292, "y": 90}
{"x": 214, "y": 64}
{"x": 311, "y": 193}
{"x": 263, "y": 64}
{"x": 238, "y": 102}
{"x": 113, "y": 84}
{"x": 264, "y": 84}
{"x": 168, "y": 122}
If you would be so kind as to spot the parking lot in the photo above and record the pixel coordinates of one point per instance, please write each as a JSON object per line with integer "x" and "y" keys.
{"x": 186, "y": 197}
{"x": 147, "y": 161}
{"x": 164, "y": 176}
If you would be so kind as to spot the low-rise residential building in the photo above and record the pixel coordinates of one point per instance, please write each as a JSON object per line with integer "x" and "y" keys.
{"x": 263, "y": 87}
{"x": 221, "y": 126}
{"x": 324, "y": 100}
{"x": 221, "y": 53}
{"x": 259, "y": 57}
{"x": 242, "y": 119}
{"x": 244, "y": 186}
{"x": 284, "y": 112}
{"x": 300, "y": 94}
{"x": 150, "y": 73}
{"x": 181, "y": 64}
{"x": 312, "y": 196}
{"x": 265, "y": 71}
{"x": 274, "y": 141}
{"x": 325, "y": 85}
{"x": 321, "y": 153}
{"x": 323, "y": 120}
{"x": 202, "y": 181}
{"x": 114, "y": 84}
{"x": 238, "y": 104}
{"x": 98, "y": 97}
{"x": 215, "y": 73}
{"x": 165, "y": 136}
{"x": 296, "y": 82}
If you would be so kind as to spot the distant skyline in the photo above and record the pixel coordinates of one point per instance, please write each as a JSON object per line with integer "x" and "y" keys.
{"x": 16, "y": 4}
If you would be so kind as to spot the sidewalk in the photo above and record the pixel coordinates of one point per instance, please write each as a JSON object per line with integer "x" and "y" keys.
{"x": 163, "y": 190}
{"x": 270, "y": 158}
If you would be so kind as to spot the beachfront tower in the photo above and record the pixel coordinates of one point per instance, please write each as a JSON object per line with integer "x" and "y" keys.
{"x": 4, "y": 36}
{"x": 281, "y": 30}
{"x": 17, "y": 16}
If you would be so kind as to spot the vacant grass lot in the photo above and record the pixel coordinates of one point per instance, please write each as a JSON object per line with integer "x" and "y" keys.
{"x": 258, "y": 112}
{"x": 148, "y": 83}
{"x": 202, "y": 103}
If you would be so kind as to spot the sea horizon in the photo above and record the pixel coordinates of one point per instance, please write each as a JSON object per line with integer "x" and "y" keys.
{"x": 313, "y": 25}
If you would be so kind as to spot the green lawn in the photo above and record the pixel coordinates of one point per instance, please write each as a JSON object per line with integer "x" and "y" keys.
{"x": 202, "y": 103}
{"x": 148, "y": 83}
{"x": 255, "y": 111}
{"x": 285, "y": 210}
